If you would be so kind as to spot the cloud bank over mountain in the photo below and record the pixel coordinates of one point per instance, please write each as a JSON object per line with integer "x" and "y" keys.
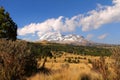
{"x": 90, "y": 21}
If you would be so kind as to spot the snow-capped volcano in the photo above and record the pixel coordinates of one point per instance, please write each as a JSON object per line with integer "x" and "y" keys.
{"x": 52, "y": 36}
{"x": 59, "y": 38}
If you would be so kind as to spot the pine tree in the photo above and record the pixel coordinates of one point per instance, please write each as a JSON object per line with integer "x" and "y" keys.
{"x": 8, "y": 28}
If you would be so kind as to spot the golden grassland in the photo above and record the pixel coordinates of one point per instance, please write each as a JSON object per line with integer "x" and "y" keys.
{"x": 20, "y": 60}
{"x": 72, "y": 67}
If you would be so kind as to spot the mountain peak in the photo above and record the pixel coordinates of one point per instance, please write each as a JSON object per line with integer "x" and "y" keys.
{"x": 59, "y": 38}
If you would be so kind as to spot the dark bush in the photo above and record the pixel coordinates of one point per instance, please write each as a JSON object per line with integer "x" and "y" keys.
{"x": 89, "y": 61}
{"x": 85, "y": 77}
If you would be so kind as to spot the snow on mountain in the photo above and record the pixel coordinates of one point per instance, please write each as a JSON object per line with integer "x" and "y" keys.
{"x": 52, "y": 36}
{"x": 59, "y": 38}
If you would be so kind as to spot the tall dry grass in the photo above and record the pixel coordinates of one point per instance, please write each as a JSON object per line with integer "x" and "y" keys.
{"x": 68, "y": 71}
{"x": 116, "y": 64}
{"x": 101, "y": 67}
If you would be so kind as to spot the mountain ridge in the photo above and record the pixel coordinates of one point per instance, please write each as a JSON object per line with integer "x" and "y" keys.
{"x": 65, "y": 39}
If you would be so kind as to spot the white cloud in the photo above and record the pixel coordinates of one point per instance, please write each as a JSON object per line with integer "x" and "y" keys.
{"x": 102, "y": 15}
{"x": 92, "y": 20}
{"x": 27, "y": 29}
{"x": 103, "y": 36}
{"x": 89, "y": 36}
{"x": 59, "y": 24}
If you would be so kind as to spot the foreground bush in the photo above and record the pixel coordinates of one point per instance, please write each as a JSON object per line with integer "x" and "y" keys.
{"x": 16, "y": 60}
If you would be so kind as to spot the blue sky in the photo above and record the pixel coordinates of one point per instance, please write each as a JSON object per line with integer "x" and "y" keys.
{"x": 96, "y": 20}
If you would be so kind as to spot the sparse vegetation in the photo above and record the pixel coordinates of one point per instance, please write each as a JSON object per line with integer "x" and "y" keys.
{"x": 80, "y": 50}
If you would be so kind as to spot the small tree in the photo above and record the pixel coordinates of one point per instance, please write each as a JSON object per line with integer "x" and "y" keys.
{"x": 46, "y": 52}
{"x": 8, "y": 28}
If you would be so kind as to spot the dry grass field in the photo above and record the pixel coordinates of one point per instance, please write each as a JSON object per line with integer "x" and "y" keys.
{"x": 74, "y": 67}
{"x": 17, "y": 62}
